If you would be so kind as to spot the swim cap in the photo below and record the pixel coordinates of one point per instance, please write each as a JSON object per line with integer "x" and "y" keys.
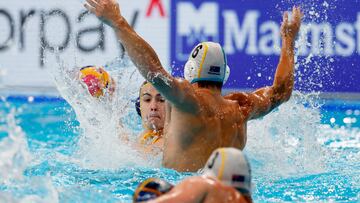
{"x": 97, "y": 80}
{"x": 137, "y": 106}
{"x": 207, "y": 62}
{"x": 230, "y": 166}
{"x": 151, "y": 189}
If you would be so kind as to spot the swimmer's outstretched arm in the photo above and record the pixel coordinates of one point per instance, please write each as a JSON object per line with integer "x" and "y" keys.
{"x": 176, "y": 91}
{"x": 263, "y": 100}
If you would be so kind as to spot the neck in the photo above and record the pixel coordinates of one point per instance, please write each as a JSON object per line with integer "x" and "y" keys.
{"x": 212, "y": 88}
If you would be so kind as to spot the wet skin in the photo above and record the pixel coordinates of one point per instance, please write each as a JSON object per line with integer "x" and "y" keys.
{"x": 200, "y": 119}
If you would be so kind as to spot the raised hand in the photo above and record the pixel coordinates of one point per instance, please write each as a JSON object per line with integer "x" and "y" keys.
{"x": 289, "y": 29}
{"x": 108, "y": 11}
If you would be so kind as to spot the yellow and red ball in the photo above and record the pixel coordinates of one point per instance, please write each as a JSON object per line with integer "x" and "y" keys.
{"x": 97, "y": 80}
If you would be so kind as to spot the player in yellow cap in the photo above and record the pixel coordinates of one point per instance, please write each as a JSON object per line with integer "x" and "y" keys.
{"x": 150, "y": 105}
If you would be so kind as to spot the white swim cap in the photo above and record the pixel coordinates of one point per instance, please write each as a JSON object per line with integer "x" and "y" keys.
{"x": 207, "y": 62}
{"x": 230, "y": 166}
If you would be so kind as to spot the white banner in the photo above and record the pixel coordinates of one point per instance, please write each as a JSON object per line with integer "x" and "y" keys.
{"x": 31, "y": 32}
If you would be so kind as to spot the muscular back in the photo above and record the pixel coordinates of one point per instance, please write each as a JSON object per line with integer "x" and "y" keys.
{"x": 192, "y": 137}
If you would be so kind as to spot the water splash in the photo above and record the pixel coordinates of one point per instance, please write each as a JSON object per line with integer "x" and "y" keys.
{"x": 285, "y": 141}
{"x": 14, "y": 152}
{"x": 105, "y": 121}
{"x": 15, "y": 157}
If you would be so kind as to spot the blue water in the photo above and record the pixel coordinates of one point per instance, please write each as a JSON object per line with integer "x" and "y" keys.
{"x": 52, "y": 134}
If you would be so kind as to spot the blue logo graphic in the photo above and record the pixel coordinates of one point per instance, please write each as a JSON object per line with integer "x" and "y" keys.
{"x": 214, "y": 70}
{"x": 328, "y": 49}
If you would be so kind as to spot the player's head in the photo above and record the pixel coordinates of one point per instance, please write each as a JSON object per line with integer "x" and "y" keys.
{"x": 207, "y": 64}
{"x": 151, "y": 107}
{"x": 151, "y": 189}
{"x": 231, "y": 167}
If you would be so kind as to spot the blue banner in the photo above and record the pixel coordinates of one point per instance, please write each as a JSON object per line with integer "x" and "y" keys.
{"x": 327, "y": 49}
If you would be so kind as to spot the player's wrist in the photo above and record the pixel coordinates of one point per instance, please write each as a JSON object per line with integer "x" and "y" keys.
{"x": 119, "y": 23}
{"x": 288, "y": 40}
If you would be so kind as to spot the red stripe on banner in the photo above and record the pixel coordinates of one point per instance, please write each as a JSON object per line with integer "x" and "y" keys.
{"x": 153, "y": 4}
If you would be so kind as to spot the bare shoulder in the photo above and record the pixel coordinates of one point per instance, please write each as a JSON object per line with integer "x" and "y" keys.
{"x": 235, "y": 95}
{"x": 198, "y": 182}
{"x": 183, "y": 96}
{"x": 183, "y": 84}
{"x": 244, "y": 100}
{"x": 195, "y": 185}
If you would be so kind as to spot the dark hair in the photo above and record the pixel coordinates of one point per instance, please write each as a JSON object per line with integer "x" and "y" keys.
{"x": 137, "y": 102}
{"x": 210, "y": 84}
{"x": 142, "y": 85}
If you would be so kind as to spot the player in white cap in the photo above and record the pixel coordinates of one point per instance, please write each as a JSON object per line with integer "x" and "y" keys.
{"x": 198, "y": 118}
{"x": 226, "y": 178}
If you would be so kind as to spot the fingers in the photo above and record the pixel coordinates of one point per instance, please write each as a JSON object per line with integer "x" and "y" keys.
{"x": 92, "y": 3}
{"x": 285, "y": 17}
{"x": 297, "y": 15}
{"x": 89, "y": 7}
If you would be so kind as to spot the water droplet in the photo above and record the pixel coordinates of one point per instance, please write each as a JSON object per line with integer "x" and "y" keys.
{"x": 30, "y": 99}
{"x": 348, "y": 112}
{"x": 357, "y": 112}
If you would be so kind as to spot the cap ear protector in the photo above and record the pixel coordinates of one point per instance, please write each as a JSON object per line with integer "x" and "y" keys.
{"x": 190, "y": 70}
{"x": 137, "y": 101}
{"x": 137, "y": 106}
{"x": 227, "y": 74}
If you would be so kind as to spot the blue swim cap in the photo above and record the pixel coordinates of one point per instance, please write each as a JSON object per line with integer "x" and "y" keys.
{"x": 151, "y": 189}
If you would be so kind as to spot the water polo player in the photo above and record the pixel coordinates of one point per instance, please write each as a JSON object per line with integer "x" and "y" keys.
{"x": 151, "y": 188}
{"x": 150, "y": 105}
{"x": 201, "y": 119}
{"x": 226, "y": 178}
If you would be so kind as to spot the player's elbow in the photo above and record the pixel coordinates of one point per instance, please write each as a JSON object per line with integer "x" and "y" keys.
{"x": 286, "y": 97}
{"x": 283, "y": 92}
{"x": 287, "y": 94}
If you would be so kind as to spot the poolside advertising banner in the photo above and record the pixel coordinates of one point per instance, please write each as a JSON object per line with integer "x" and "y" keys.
{"x": 328, "y": 47}
{"x": 34, "y": 33}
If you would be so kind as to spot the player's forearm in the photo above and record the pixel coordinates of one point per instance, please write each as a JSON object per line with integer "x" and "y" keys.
{"x": 284, "y": 76}
{"x": 139, "y": 51}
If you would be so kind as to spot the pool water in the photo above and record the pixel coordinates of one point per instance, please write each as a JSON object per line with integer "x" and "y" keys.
{"x": 303, "y": 151}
